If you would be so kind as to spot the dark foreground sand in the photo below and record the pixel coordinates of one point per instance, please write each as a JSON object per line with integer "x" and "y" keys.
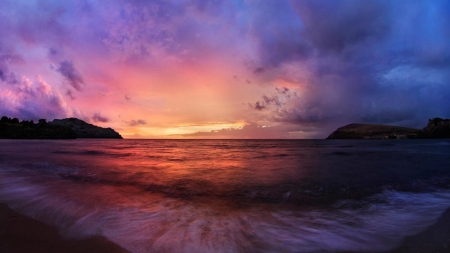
{"x": 436, "y": 239}
{"x": 20, "y": 234}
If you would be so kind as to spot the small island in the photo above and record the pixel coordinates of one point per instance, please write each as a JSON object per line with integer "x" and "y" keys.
{"x": 70, "y": 128}
{"x": 436, "y": 128}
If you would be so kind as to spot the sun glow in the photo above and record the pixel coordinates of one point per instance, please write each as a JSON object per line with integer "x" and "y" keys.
{"x": 177, "y": 131}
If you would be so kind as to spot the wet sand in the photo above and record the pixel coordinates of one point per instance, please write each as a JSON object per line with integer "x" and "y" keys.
{"x": 435, "y": 239}
{"x": 20, "y": 234}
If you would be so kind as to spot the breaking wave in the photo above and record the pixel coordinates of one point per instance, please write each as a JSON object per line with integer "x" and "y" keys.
{"x": 153, "y": 223}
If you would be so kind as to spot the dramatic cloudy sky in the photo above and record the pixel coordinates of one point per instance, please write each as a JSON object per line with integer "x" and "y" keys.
{"x": 226, "y": 69}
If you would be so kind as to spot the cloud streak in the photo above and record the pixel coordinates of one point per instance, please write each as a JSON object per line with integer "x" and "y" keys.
{"x": 99, "y": 118}
{"x": 137, "y": 122}
{"x": 74, "y": 78}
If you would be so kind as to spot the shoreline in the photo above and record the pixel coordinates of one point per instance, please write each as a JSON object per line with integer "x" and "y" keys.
{"x": 21, "y": 234}
{"x": 435, "y": 238}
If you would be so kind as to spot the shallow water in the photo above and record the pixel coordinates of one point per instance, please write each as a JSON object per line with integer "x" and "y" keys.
{"x": 231, "y": 195}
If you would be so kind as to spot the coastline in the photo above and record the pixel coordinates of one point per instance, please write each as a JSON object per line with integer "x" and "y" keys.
{"x": 21, "y": 234}
{"x": 435, "y": 239}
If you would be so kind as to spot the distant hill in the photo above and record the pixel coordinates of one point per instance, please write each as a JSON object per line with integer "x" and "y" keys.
{"x": 86, "y": 130}
{"x": 371, "y": 131}
{"x": 436, "y": 128}
{"x": 71, "y": 128}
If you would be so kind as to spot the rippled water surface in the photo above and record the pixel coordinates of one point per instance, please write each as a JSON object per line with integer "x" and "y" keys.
{"x": 231, "y": 195}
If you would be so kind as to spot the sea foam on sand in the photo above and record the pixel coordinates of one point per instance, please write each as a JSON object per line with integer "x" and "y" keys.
{"x": 380, "y": 223}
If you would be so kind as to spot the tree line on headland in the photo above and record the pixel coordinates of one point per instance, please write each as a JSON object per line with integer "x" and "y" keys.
{"x": 70, "y": 128}
{"x": 436, "y": 128}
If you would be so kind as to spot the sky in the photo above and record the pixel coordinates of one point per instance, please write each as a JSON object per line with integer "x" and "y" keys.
{"x": 226, "y": 69}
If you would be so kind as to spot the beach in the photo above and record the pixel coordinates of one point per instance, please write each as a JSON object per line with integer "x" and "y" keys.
{"x": 435, "y": 239}
{"x": 20, "y": 234}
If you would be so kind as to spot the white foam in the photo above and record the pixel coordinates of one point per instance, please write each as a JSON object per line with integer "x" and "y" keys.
{"x": 151, "y": 223}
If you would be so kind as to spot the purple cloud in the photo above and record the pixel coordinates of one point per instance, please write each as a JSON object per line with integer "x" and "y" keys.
{"x": 5, "y": 60}
{"x": 74, "y": 78}
{"x": 99, "y": 118}
{"x": 379, "y": 61}
{"x": 365, "y": 61}
{"x": 137, "y": 122}
{"x": 69, "y": 93}
{"x": 31, "y": 99}
{"x": 274, "y": 100}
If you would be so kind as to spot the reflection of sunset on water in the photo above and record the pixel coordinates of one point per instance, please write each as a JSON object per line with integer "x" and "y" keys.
{"x": 229, "y": 195}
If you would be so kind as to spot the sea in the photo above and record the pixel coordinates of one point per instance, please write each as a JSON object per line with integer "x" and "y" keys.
{"x": 231, "y": 195}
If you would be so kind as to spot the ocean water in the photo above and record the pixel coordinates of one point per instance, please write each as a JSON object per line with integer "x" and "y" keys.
{"x": 231, "y": 195}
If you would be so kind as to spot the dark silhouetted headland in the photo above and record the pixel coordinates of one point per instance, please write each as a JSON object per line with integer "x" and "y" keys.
{"x": 371, "y": 131}
{"x": 13, "y": 129}
{"x": 86, "y": 130}
{"x": 71, "y": 128}
{"x": 436, "y": 128}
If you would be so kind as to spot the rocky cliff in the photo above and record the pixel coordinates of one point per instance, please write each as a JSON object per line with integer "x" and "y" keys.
{"x": 372, "y": 131}
{"x": 86, "y": 130}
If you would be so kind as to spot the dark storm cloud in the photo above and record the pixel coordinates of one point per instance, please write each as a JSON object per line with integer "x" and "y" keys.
{"x": 302, "y": 29}
{"x": 335, "y": 25}
{"x": 276, "y": 99}
{"x": 368, "y": 61}
{"x": 278, "y": 34}
{"x": 74, "y": 78}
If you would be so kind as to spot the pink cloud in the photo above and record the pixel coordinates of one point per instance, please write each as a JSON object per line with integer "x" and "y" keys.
{"x": 31, "y": 99}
